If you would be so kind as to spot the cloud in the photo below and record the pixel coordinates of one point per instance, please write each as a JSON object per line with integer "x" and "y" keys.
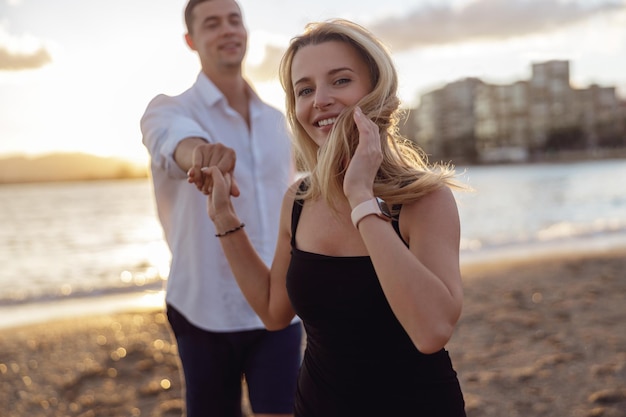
{"x": 484, "y": 19}
{"x": 16, "y": 61}
{"x": 23, "y": 52}
{"x": 476, "y": 20}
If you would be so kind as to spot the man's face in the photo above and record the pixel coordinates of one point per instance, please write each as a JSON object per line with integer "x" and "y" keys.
{"x": 218, "y": 34}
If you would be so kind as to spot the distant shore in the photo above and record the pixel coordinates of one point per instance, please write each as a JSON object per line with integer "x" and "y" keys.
{"x": 67, "y": 167}
{"x": 85, "y": 167}
{"x": 541, "y": 338}
{"x": 555, "y": 157}
{"x": 579, "y": 156}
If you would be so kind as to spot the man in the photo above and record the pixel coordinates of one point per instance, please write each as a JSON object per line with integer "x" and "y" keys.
{"x": 221, "y": 121}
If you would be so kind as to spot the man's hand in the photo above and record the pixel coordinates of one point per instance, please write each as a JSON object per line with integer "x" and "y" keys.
{"x": 209, "y": 155}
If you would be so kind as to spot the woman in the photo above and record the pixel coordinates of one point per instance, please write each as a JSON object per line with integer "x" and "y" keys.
{"x": 379, "y": 291}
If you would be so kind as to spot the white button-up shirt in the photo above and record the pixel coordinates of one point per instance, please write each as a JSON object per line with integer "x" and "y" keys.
{"x": 201, "y": 285}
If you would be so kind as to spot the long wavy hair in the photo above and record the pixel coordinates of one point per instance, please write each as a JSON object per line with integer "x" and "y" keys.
{"x": 404, "y": 174}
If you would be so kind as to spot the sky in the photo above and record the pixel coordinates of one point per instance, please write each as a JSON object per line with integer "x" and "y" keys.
{"x": 76, "y": 75}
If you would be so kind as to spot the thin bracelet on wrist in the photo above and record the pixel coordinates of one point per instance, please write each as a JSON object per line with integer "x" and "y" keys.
{"x": 233, "y": 230}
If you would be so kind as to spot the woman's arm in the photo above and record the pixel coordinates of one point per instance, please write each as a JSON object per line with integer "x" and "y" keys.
{"x": 265, "y": 289}
{"x": 422, "y": 283}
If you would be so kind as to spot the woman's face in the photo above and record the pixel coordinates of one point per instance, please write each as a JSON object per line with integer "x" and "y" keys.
{"x": 327, "y": 78}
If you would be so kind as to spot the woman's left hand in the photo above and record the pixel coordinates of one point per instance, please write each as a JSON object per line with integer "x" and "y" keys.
{"x": 362, "y": 168}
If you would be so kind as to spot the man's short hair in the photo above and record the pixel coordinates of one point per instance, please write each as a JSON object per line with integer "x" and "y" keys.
{"x": 189, "y": 13}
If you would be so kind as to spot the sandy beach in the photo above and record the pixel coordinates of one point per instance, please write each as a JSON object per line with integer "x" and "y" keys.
{"x": 540, "y": 338}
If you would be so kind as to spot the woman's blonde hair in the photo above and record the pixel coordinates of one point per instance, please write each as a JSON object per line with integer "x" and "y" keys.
{"x": 404, "y": 174}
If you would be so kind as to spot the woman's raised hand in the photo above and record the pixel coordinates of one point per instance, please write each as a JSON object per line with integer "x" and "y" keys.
{"x": 362, "y": 168}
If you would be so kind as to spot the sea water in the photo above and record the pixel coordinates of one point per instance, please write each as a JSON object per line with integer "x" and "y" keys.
{"x": 542, "y": 209}
{"x": 76, "y": 247}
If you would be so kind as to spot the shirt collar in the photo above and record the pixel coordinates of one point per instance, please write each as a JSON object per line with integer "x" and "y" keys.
{"x": 212, "y": 95}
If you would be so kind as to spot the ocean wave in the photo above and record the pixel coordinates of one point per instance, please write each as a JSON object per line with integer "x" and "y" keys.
{"x": 22, "y": 298}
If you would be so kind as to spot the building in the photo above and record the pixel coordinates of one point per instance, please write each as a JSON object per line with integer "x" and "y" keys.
{"x": 479, "y": 122}
{"x": 502, "y": 122}
{"x": 446, "y": 120}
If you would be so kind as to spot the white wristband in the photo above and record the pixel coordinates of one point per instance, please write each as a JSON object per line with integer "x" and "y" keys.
{"x": 374, "y": 206}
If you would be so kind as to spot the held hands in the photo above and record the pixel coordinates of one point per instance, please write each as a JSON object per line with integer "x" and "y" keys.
{"x": 363, "y": 166}
{"x": 209, "y": 155}
{"x": 219, "y": 206}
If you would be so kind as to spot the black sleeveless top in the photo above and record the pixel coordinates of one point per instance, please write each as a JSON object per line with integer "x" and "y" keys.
{"x": 359, "y": 361}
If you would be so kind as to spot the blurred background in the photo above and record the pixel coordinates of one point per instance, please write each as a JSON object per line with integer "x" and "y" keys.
{"x": 526, "y": 97}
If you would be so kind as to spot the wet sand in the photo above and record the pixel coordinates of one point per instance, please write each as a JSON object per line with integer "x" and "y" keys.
{"x": 541, "y": 338}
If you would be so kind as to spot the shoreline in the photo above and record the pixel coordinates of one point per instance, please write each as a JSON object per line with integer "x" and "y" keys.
{"x": 75, "y": 307}
{"x": 53, "y": 310}
{"x": 537, "y": 337}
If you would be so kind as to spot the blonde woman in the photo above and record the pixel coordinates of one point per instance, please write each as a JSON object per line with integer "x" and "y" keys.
{"x": 368, "y": 243}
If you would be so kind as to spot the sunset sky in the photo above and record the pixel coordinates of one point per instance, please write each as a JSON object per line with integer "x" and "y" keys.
{"x": 75, "y": 76}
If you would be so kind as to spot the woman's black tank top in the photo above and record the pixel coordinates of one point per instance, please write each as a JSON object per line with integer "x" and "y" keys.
{"x": 359, "y": 361}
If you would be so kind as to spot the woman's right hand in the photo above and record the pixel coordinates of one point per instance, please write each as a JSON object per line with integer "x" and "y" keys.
{"x": 219, "y": 204}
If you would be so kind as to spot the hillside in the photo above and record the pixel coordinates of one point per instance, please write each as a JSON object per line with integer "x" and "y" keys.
{"x": 67, "y": 167}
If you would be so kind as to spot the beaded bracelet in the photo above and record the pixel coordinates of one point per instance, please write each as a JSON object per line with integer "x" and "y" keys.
{"x": 241, "y": 226}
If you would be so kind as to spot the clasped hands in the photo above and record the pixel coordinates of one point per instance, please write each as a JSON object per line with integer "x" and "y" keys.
{"x": 212, "y": 155}
{"x": 212, "y": 173}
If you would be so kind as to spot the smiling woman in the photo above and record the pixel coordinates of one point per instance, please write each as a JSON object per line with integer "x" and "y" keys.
{"x": 342, "y": 265}
{"x": 322, "y": 75}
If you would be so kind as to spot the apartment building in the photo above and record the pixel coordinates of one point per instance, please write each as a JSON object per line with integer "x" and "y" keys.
{"x": 446, "y": 121}
{"x": 482, "y": 122}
